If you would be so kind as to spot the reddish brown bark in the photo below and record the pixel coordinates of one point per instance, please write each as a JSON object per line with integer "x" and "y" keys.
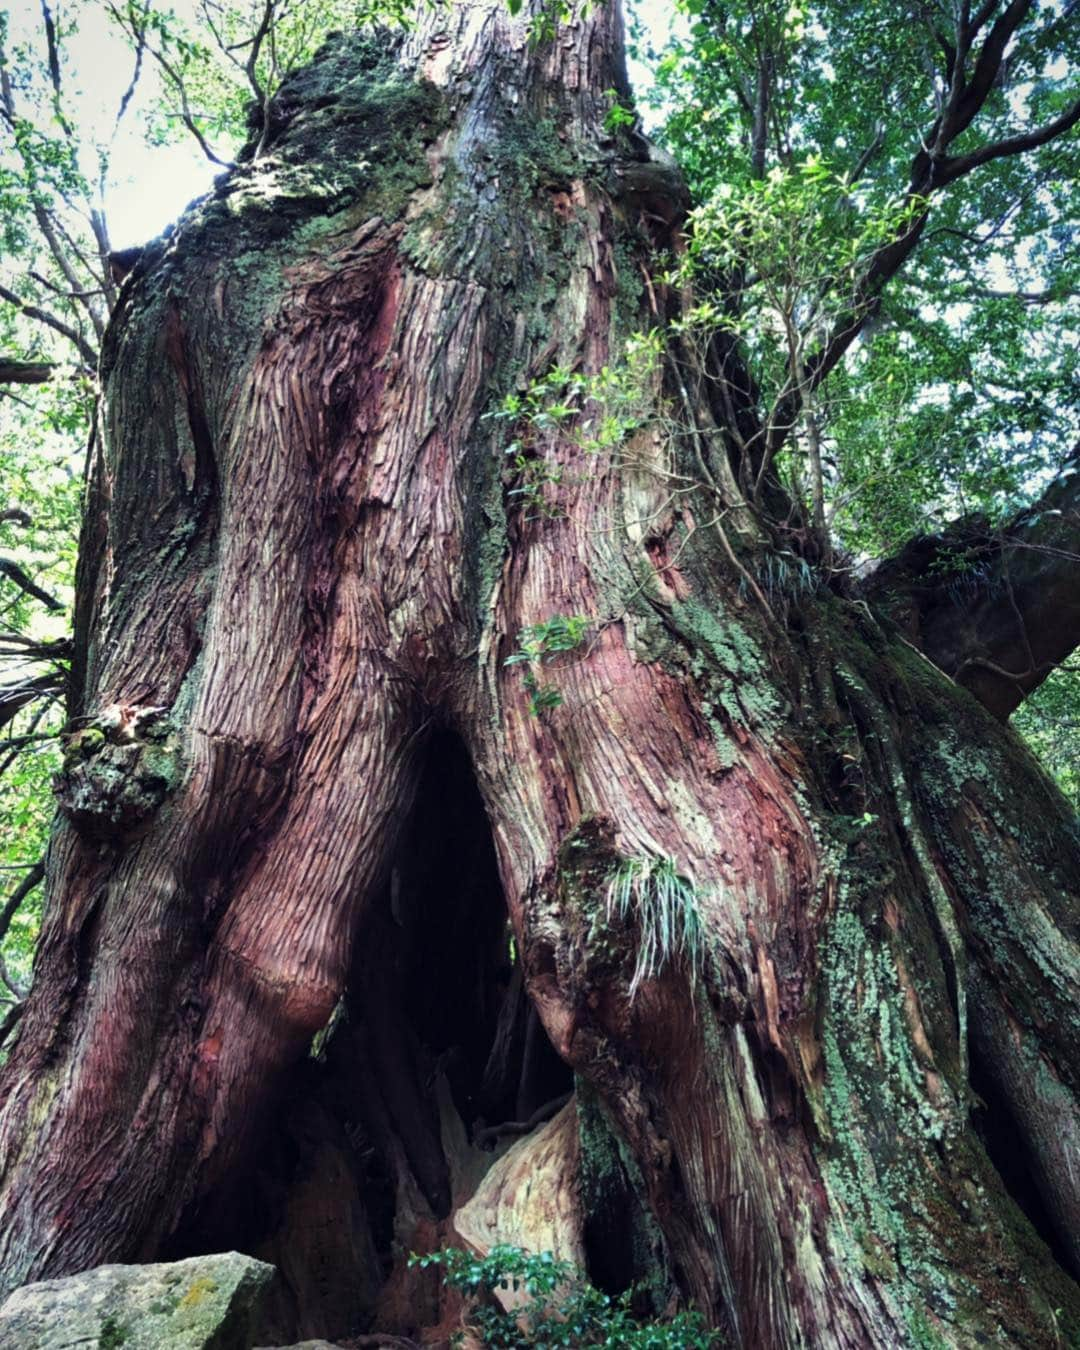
{"x": 319, "y": 786}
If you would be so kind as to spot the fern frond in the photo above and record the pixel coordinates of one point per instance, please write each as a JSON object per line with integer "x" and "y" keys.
{"x": 664, "y": 905}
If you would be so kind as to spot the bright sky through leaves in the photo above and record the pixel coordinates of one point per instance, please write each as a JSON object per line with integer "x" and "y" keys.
{"x": 151, "y": 185}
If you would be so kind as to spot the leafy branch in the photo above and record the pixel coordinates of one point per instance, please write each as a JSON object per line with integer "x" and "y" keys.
{"x": 537, "y": 645}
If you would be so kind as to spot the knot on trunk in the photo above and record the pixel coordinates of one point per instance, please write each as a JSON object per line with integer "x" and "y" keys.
{"x": 117, "y": 770}
{"x": 633, "y": 916}
{"x": 612, "y": 945}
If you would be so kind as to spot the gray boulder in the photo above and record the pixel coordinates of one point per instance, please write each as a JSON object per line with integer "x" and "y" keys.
{"x": 204, "y": 1303}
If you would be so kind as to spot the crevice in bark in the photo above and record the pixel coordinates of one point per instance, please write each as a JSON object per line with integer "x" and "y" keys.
{"x": 457, "y": 974}
{"x": 435, "y": 1043}
{"x": 1009, "y": 1150}
{"x": 623, "y": 1244}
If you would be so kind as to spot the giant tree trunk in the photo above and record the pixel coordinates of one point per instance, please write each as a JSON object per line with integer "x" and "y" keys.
{"x": 309, "y": 782}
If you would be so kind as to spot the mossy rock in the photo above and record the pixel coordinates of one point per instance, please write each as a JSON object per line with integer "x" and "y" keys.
{"x": 205, "y": 1303}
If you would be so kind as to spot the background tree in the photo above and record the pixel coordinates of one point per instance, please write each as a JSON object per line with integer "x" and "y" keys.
{"x": 791, "y": 913}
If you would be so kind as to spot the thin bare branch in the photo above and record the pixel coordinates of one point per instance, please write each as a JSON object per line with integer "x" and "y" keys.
{"x": 11, "y": 569}
{"x": 15, "y": 745}
{"x": 869, "y": 154}
{"x": 187, "y": 116}
{"x": 138, "y": 32}
{"x": 29, "y": 882}
{"x": 65, "y": 295}
{"x": 39, "y": 203}
{"x": 83, "y": 347}
{"x": 263, "y": 33}
{"x": 11, "y": 1018}
{"x": 176, "y": 80}
{"x": 53, "y": 50}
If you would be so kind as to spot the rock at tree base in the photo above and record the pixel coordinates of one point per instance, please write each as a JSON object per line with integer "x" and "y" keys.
{"x": 204, "y": 1303}
{"x": 304, "y": 1345}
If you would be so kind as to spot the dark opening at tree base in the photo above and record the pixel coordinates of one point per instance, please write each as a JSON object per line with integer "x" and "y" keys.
{"x": 433, "y": 1049}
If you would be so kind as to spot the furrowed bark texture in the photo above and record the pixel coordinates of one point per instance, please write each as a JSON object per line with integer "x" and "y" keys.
{"x": 310, "y": 789}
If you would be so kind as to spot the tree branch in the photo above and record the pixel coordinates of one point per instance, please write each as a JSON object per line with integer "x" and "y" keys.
{"x": 931, "y": 170}
{"x": 10, "y": 1019}
{"x": 138, "y": 31}
{"x": 53, "y": 49}
{"x": 14, "y": 697}
{"x": 173, "y": 76}
{"x": 11, "y": 569}
{"x": 186, "y": 115}
{"x": 33, "y": 878}
{"x": 987, "y": 65}
{"x": 39, "y": 202}
{"x": 949, "y": 170}
{"x": 25, "y": 372}
{"x": 997, "y": 609}
{"x": 83, "y": 347}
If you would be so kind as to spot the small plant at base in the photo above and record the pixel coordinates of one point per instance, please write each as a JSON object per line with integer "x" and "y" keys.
{"x": 538, "y": 642}
{"x": 561, "y": 1309}
{"x": 665, "y": 905}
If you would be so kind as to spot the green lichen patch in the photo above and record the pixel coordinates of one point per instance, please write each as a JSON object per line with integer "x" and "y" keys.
{"x": 732, "y": 666}
{"x": 490, "y": 217}
{"x": 112, "y": 1335}
{"x": 118, "y": 771}
{"x": 200, "y": 1290}
{"x": 204, "y": 1303}
{"x": 917, "y": 1205}
{"x": 350, "y": 125}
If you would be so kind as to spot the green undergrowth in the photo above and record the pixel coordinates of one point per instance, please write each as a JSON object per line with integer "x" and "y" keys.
{"x": 558, "y": 1306}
